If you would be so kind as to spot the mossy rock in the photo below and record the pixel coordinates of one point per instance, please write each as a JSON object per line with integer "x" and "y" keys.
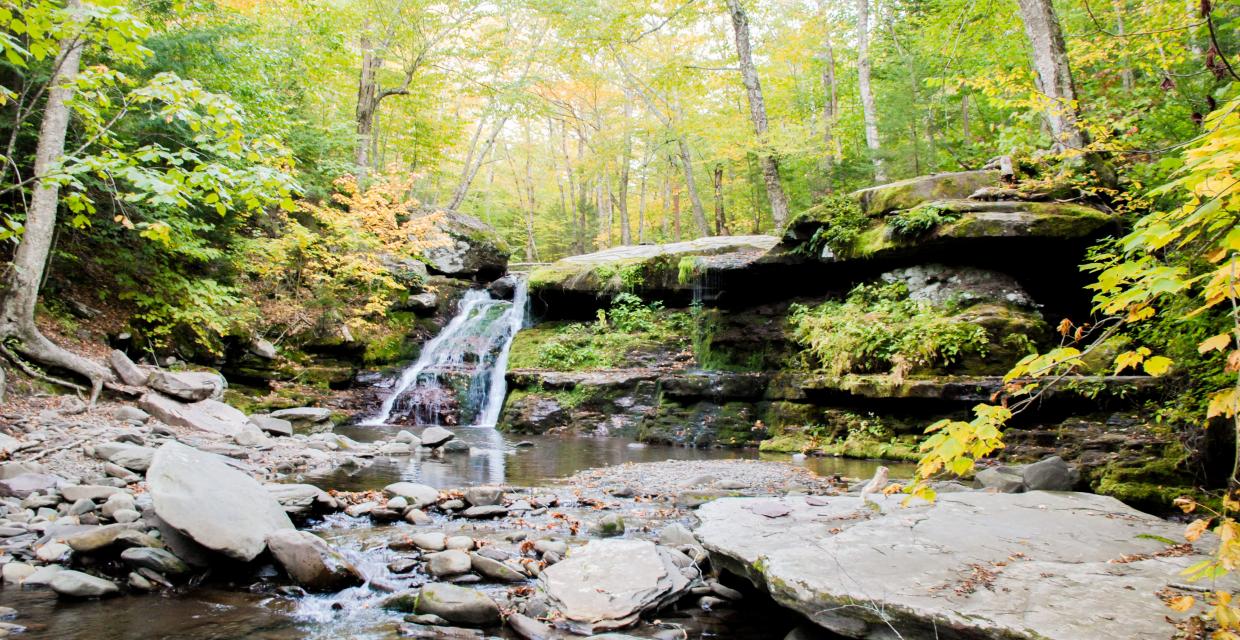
{"x": 907, "y": 194}
{"x": 731, "y": 424}
{"x": 1150, "y": 482}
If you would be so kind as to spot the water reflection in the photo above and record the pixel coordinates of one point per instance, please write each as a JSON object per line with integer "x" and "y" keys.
{"x": 496, "y": 458}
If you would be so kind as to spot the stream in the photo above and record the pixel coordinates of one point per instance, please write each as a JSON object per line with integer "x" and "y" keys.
{"x": 458, "y": 379}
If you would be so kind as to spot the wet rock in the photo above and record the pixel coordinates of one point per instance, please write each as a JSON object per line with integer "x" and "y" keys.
{"x": 418, "y": 495}
{"x": 608, "y": 526}
{"x": 404, "y": 565}
{"x": 454, "y": 446}
{"x": 417, "y": 517}
{"x": 212, "y": 503}
{"x": 303, "y": 415}
{"x": 75, "y": 584}
{"x": 529, "y": 628}
{"x": 474, "y": 248}
{"x": 433, "y": 437}
{"x": 479, "y": 513}
{"x": 52, "y": 552}
{"x": 503, "y": 288}
{"x": 311, "y": 562}
{"x": 460, "y": 543}
{"x": 493, "y": 569}
{"x": 429, "y": 541}
{"x": 272, "y": 425}
{"x": 207, "y": 415}
{"x": 551, "y": 546}
{"x": 458, "y": 605}
{"x": 1054, "y": 549}
{"x": 188, "y": 386}
{"x": 431, "y": 632}
{"x": 608, "y": 584}
{"x": 42, "y": 576}
{"x": 448, "y": 563}
{"x": 398, "y": 504}
{"x": 138, "y": 582}
{"x": 484, "y": 496}
{"x": 16, "y": 572}
{"x": 157, "y": 560}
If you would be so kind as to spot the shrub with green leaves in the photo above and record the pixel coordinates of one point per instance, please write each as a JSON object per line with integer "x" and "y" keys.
{"x": 879, "y": 329}
{"x": 919, "y": 221}
{"x": 841, "y": 220}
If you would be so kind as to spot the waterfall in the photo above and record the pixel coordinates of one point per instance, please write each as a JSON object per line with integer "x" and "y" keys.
{"x": 459, "y": 377}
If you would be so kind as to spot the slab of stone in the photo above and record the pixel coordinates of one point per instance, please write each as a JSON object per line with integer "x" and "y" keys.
{"x": 300, "y": 499}
{"x": 608, "y": 584}
{"x": 212, "y": 503}
{"x": 458, "y": 605}
{"x": 1030, "y": 566}
{"x": 129, "y": 373}
{"x": 435, "y": 437}
{"x": 75, "y": 584}
{"x": 21, "y": 486}
{"x": 188, "y": 386}
{"x": 130, "y": 456}
{"x": 303, "y": 414}
{"x": 311, "y": 562}
{"x": 208, "y": 415}
{"x": 272, "y": 425}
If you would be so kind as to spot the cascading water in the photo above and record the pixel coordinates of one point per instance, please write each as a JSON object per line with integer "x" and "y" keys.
{"x": 458, "y": 380}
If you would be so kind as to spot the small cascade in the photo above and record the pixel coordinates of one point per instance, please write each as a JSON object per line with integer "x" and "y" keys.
{"x": 458, "y": 380}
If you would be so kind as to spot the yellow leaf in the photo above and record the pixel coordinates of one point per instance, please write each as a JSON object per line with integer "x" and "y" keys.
{"x": 1215, "y": 343}
{"x": 1193, "y": 532}
{"x": 1182, "y": 603}
{"x": 1157, "y": 366}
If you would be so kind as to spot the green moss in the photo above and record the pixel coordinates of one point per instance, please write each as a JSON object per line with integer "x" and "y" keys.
{"x": 630, "y": 333}
{"x": 1152, "y": 482}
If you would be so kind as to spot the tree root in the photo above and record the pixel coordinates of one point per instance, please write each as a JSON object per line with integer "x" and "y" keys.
{"x": 34, "y": 345}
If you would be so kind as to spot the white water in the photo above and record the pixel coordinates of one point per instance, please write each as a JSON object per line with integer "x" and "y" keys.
{"x": 474, "y": 345}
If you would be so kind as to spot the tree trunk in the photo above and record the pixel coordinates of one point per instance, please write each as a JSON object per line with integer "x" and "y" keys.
{"x": 757, "y": 112}
{"x": 641, "y": 209}
{"x": 367, "y": 103}
{"x": 699, "y": 213}
{"x": 626, "y": 234}
{"x": 868, "y": 109}
{"x": 473, "y": 161}
{"x": 1050, "y": 62}
{"x": 21, "y": 280}
{"x": 720, "y": 223}
{"x": 1125, "y": 69}
{"x": 830, "y": 105}
{"x": 676, "y": 214}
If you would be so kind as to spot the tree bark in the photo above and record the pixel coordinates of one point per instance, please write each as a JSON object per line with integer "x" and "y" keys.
{"x": 720, "y": 223}
{"x": 473, "y": 161}
{"x": 830, "y": 105}
{"x": 21, "y": 280}
{"x": 757, "y": 112}
{"x": 1125, "y": 70}
{"x": 626, "y": 234}
{"x": 367, "y": 103}
{"x": 868, "y": 109}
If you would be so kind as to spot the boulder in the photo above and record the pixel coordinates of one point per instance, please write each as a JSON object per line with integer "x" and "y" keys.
{"x": 262, "y": 348}
{"x": 494, "y": 569}
{"x": 484, "y": 496}
{"x": 471, "y": 247}
{"x": 207, "y": 415}
{"x": 907, "y": 194}
{"x": 503, "y": 288}
{"x": 608, "y": 584}
{"x": 459, "y": 605}
{"x": 274, "y": 426}
{"x": 300, "y": 499}
{"x": 218, "y": 507}
{"x": 130, "y": 456}
{"x": 75, "y": 584}
{"x": 304, "y": 416}
{"x": 129, "y": 373}
{"x": 311, "y": 562}
{"x": 1000, "y": 479}
{"x": 157, "y": 560}
{"x": 446, "y": 564}
{"x": 967, "y": 566}
{"x": 421, "y": 303}
{"x": 436, "y": 436}
{"x": 188, "y": 386}
{"x": 1051, "y": 474}
{"x": 21, "y": 486}
{"x": 417, "y": 495}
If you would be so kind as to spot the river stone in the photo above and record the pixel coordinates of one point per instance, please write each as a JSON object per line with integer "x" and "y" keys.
{"x": 1001, "y": 479}
{"x": 212, "y": 503}
{"x": 157, "y": 560}
{"x": 418, "y": 495}
{"x": 484, "y": 496}
{"x": 608, "y": 526}
{"x": 42, "y": 576}
{"x": 126, "y": 515}
{"x": 129, "y": 373}
{"x": 460, "y": 543}
{"x": 21, "y": 486}
{"x": 207, "y": 415}
{"x": 134, "y": 414}
{"x": 608, "y": 584}
{"x": 448, "y": 563}
{"x": 130, "y": 456}
{"x": 96, "y": 538}
{"x": 676, "y": 534}
{"x": 274, "y": 426}
{"x": 311, "y": 562}
{"x": 459, "y": 605}
{"x": 118, "y": 502}
{"x": 309, "y": 415}
{"x": 300, "y": 499}
{"x": 529, "y": 628}
{"x": 455, "y": 446}
{"x": 435, "y": 436}
{"x": 417, "y": 517}
{"x": 75, "y": 584}
{"x": 1051, "y": 474}
{"x": 52, "y": 552}
{"x": 1066, "y": 552}
{"x": 188, "y": 386}
{"x": 429, "y": 541}
{"x": 480, "y": 513}
{"x": 73, "y": 493}
{"x": 16, "y": 572}
{"x": 494, "y": 569}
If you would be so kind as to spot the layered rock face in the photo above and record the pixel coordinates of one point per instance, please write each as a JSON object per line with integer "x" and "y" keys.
{"x": 868, "y": 320}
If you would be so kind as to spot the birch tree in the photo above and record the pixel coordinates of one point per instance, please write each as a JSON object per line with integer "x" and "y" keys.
{"x": 868, "y": 108}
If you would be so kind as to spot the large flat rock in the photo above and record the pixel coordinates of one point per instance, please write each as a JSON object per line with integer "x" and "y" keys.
{"x": 207, "y": 415}
{"x": 1036, "y": 566}
{"x": 212, "y": 503}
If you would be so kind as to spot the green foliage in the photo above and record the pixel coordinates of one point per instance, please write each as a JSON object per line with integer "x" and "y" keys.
{"x": 839, "y": 221}
{"x": 629, "y": 329}
{"x": 878, "y": 328}
{"x": 914, "y": 223}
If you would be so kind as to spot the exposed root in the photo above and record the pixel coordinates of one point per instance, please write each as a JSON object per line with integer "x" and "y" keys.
{"x": 35, "y": 373}
{"x": 38, "y": 348}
